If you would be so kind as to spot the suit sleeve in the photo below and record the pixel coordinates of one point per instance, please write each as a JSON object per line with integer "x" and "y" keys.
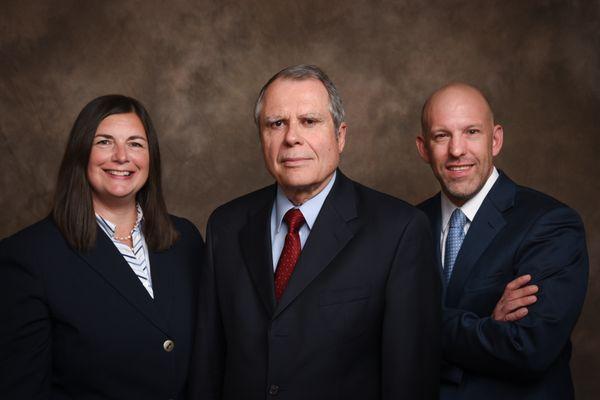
{"x": 208, "y": 358}
{"x": 25, "y": 328}
{"x": 554, "y": 253}
{"x": 411, "y": 340}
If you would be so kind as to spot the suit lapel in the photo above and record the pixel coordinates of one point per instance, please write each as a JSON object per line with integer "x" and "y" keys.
{"x": 330, "y": 234}
{"x": 433, "y": 209}
{"x": 255, "y": 242}
{"x": 485, "y": 226}
{"x": 162, "y": 281}
{"x": 106, "y": 260}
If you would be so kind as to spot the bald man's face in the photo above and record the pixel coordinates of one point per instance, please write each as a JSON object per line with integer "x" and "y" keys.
{"x": 460, "y": 141}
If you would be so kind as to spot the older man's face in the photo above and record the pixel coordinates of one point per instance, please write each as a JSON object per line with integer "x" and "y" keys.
{"x": 460, "y": 142}
{"x": 298, "y": 137}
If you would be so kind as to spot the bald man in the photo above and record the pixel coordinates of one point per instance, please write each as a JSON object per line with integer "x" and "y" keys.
{"x": 513, "y": 261}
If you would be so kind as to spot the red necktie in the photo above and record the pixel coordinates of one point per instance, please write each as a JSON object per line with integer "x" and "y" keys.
{"x": 291, "y": 251}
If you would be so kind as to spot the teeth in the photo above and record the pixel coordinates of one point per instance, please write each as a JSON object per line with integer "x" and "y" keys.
{"x": 119, "y": 173}
{"x": 462, "y": 168}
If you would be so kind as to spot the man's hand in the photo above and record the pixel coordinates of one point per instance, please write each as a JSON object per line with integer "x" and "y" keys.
{"x": 513, "y": 304}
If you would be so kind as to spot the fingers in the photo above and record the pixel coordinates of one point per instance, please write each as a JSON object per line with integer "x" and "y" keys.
{"x": 516, "y": 315}
{"x": 518, "y": 282}
{"x": 529, "y": 290}
{"x": 510, "y": 306}
{"x": 517, "y": 296}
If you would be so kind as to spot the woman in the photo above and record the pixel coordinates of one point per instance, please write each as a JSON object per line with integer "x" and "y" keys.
{"x": 97, "y": 301}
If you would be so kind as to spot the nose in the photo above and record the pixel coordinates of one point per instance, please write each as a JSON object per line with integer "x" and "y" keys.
{"x": 120, "y": 153}
{"x": 457, "y": 146}
{"x": 293, "y": 135}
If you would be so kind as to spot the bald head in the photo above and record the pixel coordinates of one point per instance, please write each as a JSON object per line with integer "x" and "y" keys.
{"x": 451, "y": 97}
{"x": 459, "y": 140}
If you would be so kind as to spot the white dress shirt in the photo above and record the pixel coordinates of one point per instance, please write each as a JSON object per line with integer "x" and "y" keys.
{"x": 470, "y": 209}
{"x": 310, "y": 209}
{"x": 137, "y": 257}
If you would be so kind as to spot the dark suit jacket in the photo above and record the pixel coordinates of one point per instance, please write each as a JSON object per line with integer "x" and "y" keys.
{"x": 516, "y": 231}
{"x": 81, "y": 325}
{"x": 360, "y": 318}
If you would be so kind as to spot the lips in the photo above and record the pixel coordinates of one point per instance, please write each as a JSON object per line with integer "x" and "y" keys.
{"x": 116, "y": 172}
{"x": 458, "y": 168}
{"x": 459, "y": 171}
{"x": 293, "y": 161}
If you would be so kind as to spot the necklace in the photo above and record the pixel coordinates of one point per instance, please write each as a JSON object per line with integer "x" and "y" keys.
{"x": 128, "y": 237}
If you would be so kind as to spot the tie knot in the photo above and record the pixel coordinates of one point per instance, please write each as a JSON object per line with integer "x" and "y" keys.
{"x": 458, "y": 219}
{"x": 294, "y": 219}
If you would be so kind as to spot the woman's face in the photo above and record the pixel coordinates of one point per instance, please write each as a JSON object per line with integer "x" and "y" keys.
{"x": 119, "y": 160}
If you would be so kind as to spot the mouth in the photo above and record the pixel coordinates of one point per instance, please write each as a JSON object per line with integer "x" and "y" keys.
{"x": 293, "y": 161}
{"x": 116, "y": 172}
{"x": 459, "y": 170}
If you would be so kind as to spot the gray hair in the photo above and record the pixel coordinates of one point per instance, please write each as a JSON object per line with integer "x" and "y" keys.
{"x": 299, "y": 73}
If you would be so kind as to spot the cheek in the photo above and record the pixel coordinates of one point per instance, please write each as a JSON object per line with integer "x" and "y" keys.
{"x": 270, "y": 151}
{"x": 437, "y": 157}
{"x": 145, "y": 160}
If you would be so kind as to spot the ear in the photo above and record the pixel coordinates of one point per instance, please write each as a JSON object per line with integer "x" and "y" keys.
{"x": 422, "y": 148}
{"x": 497, "y": 139}
{"x": 341, "y": 136}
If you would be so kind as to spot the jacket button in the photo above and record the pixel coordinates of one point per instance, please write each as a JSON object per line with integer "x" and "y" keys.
{"x": 273, "y": 390}
{"x": 168, "y": 345}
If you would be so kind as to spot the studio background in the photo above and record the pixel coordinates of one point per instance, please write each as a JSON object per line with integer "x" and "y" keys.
{"x": 198, "y": 67}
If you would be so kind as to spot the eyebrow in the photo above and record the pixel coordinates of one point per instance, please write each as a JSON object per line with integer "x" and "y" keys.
{"x": 134, "y": 137}
{"x": 312, "y": 115}
{"x": 443, "y": 128}
{"x": 273, "y": 118}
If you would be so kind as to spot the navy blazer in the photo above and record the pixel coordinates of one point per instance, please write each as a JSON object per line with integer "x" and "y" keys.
{"x": 81, "y": 325}
{"x": 359, "y": 319}
{"x": 516, "y": 231}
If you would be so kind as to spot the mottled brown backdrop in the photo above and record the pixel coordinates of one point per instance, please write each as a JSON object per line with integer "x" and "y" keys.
{"x": 198, "y": 65}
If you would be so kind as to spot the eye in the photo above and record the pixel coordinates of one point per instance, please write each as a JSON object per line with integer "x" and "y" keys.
{"x": 277, "y": 124}
{"x": 439, "y": 136}
{"x": 309, "y": 122}
{"x": 103, "y": 141}
{"x": 136, "y": 144}
{"x": 473, "y": 131}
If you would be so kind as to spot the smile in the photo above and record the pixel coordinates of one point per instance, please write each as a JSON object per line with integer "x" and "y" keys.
{"x": 117, "y": 172}
{"x": 460, "y": 167}
{"x": 294, "y": 160}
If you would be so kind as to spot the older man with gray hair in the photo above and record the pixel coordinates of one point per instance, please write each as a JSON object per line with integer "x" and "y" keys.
{"x": 315, "y": 287}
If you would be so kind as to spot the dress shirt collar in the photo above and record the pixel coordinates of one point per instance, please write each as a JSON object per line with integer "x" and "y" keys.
{"x": 310, "y": 209}
{"x": 109, "y": 227}
{"x": 471, "y": 207}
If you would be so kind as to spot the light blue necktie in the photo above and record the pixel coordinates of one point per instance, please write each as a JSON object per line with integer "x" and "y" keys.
{"x": 454, "y": 240}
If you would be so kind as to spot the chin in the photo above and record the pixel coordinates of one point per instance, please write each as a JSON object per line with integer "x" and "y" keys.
{"x": 463, "y": 193}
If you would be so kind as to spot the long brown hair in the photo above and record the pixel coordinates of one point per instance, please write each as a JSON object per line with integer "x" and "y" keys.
{"x": 73, "y": 210}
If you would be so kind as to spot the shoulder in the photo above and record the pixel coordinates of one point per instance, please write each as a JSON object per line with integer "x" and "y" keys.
{"x": 183, "y": 225}
{"x": 40, "y": 233}
{"x": 382, "y": 208}
{"x": 240, "y": 208}
{"x": 532, "y": 198}
{"x": 41, "y": 241}
{"x": 189, "y": 235}
{"x": 430, "y": 205}
{"x": 540, "y": 208}
{"x": 532, "y": 213}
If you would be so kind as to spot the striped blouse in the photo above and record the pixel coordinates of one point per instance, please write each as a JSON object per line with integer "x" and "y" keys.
{"x": 137, "y": 257}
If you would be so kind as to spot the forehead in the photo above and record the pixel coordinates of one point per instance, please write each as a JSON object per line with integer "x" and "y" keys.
{"x": 458, "y": 107}
{"x": 126, "y": 123}
{"x": 296, "y": 96}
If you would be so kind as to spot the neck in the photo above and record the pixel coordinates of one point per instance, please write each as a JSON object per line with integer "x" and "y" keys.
{"x": 123, "y": 215}
{"x": 300, "y": 195}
